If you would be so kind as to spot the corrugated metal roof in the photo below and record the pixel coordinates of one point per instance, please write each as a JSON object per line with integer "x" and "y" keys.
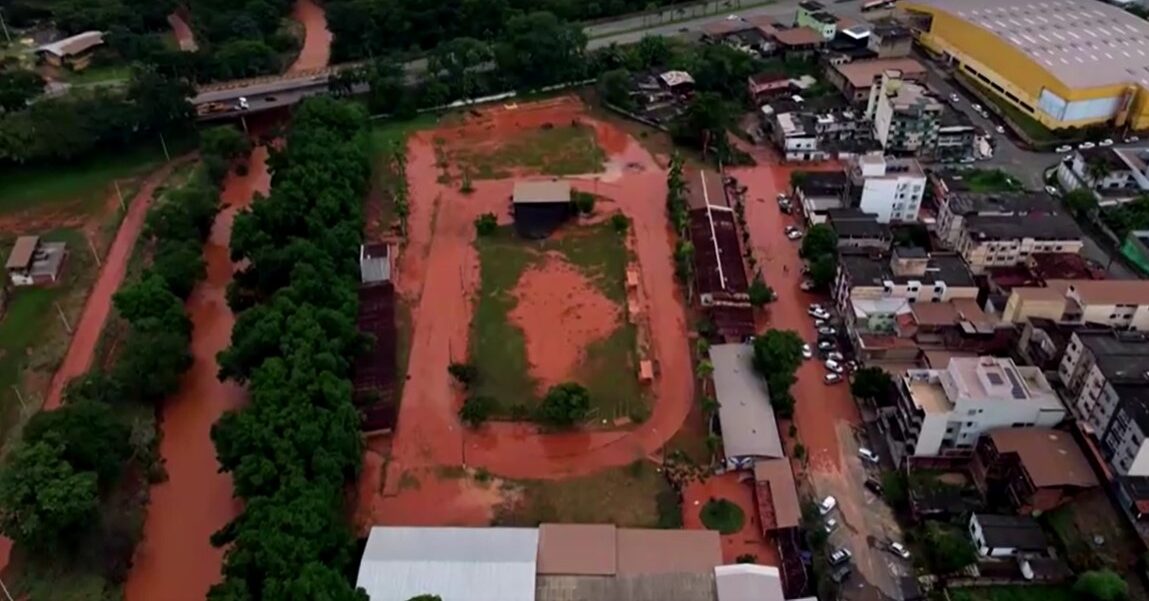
{"x": 74, "y": 45}
{"x": 577, "y": 549}
{"x": 556, "y": 191}
{"x": 22, "y": 251}
{"x": 458, "y": 564}
{"x": 748, "y": 582}
{"x": 748, "y": 425}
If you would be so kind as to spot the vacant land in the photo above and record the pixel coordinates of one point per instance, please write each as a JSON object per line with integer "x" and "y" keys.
{"x": 990, "y": 180}
{"x": 625, "y": 496}
{"x": 552, "y": 149}
{"x": 499, "y": 346}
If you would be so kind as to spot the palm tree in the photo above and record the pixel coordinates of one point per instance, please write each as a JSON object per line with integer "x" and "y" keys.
{"x": 1096, "y": 170}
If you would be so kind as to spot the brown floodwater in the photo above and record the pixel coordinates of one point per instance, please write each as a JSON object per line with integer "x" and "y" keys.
{"x": 316, "y": 50}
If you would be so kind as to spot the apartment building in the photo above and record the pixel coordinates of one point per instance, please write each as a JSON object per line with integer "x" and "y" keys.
{"x": 803, "y": 135}
{"x": 1121, "y": 304}
{"x": 855, "y": 79}
{"x": 814, "y": 16}
{"x": 859, "y": 231}
{"x": 1114, "y": 175}
{"x": 888, "y": 187}
{"x": 957, "y": 206}
{"x": 1106, "y": 375}
{"x": 988, "y": 241}
{"x": 945, "y": 411}
{"x": 889, "y": 39}
{"x": 906, "y": 116}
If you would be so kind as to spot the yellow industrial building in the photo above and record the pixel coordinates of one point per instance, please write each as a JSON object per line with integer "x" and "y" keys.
{"x": 1067, "y": 63}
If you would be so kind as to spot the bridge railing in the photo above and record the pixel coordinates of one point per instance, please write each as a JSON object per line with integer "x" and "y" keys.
{"x": 251, "y": 81}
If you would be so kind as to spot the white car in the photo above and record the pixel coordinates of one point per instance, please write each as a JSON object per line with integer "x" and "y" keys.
{"x": 835, "y": 356}
{"x": 827, "y": 331}
{"x": 900, "y": 550}
{"x": 806, "y": 285}
{"x": 831, "y": 378}
{"x": 975, "y": 106}
{"x": 732, "y": 17}
{"x": 1064, "y": 148}
{"x": 868, "y": 455}
{"x": 1106, "y": 142}
{"x": 827, "y": 505}
{"x": 820, "y": 314}
{"x": 807, "y": 352}
{"x": 1086, "y": 145}
{"x": 999, "y": 129}
{"x": 954, "y": 98}
{"x": 820, "y": 321}
{"x": 831, "y": 525}
{"x": 793, "y": 233}
{"x": 839, "y": 556}
{"x": 1131, "y": 139}
{"x": 1050, "y": 190}
{"x": 834, "y": 366}
{"x": 814, "y": 309}
{"x": 825, "y": 345}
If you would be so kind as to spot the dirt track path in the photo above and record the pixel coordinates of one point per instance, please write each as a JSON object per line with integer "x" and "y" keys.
{"x": 183, "y": 32}
{"x": 175, "y": 560}
{"x": 316, "y": 50}
{"x": 86, "y": 332}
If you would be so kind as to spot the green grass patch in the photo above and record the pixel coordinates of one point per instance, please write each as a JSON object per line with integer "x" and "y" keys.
{"x": 990, "y": 180}
{"x": 1013, "y": 593}
{"x": 386, "y": 132}
{"x": 498, "y": 347}
{"x": 98, "y": 74}
{"x": 561, "y": 149}
{"x": 624, "y": 496}
{"x": 722, "y": 515}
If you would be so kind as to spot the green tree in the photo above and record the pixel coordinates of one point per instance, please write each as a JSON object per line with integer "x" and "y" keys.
{"x": 777, "y": 351}
{"x": 620, "y": 223}
{"x": 614, "y": 86}
{"x": 947, "y": 550}
{"x": 565, "y": 405}
{"x": 464, "y": 373}
{"x": 872, "y": 384}
{"x": 150, "y": 304}
{"x": 476, "y": 410}
{"x": 225, "y": 142}
{"x": 797, "y": 178}
{"x": 96, "y": 385}
{"x": 426, "y": 598}
{"x": 180, "y": 264}
{"x": 43, "y": 499}
{"x": 458, "y": 60}
{"x": 539, "y": 48}
{"x": 152, "y": 364}
{"x": 704, "y": 123}
{"x": 245, "y": 58}
{"x": 161, "y": 103}
{"x": 1101, "y": 585}
{"x": 820, "y": 240}
{"x": 823, "y": 270}
{"x": 759, "y": 292}
{"x": 18, "y": 87}
{"x": 1081, "y": 202}
{"x": 486, "y": 224}
{"x": 584, "y": 202}
{"x": 89, "y": 434}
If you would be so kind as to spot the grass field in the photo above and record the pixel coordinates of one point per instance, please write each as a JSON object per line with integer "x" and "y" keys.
{"x": 624, "y": 496}
{"x": 558, "y": 150}
{"x": 1013, "y": 593}
{"x": 498, "y": 347}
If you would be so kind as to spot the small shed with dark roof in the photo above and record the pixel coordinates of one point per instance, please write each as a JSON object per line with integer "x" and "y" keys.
{"x": 1007, "y": 535}
{"x": 541, "y": 207}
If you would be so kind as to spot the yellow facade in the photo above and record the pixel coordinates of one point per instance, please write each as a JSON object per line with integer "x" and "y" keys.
{"x": 1016, "y": 73}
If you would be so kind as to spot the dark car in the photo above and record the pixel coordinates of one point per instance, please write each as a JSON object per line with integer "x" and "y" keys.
{"x": 874, "y": 486}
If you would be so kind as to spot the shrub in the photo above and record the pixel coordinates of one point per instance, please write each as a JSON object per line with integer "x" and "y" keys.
{"x": 620, "y": 222}
{"x": 565, "y": 405}
{"x": 584, "y": 202}
{"x": 464, "y": 373}
{"x": 722, "y": 515}
{"x": 476, "y": 410}
{"x": 486, "y": 224}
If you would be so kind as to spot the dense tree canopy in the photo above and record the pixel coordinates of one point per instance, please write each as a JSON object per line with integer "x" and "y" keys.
{"x": 91, "y": 436}
{"x": 1101, "y": 585}
{"x": 43, "y": 498}
{"x": 777, "y": 355}
{"x": 565, "y": 405}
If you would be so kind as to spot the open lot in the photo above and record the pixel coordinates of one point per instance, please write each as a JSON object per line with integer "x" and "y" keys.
{"x": 550, "y": 149}
{"x": 1093, "y": 535}
{"x": 552, "y": 311}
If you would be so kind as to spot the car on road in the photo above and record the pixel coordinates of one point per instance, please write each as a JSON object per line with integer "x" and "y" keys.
{"x": 834, "y": 366}
{"x": 827, "y": 330}
{"x": 806, "y": 285}
{"x": 841, "y": 573}
{"x": 820, "y": 314}
{"x": 840, "y": 555}
{"x": 1064, "y": 148}
{"x": 781, "y": 197}
{"x": 868, "y": 455}
{"x": 827, "y": 505}
{"x": 793, "y": 233}
{"x": 835, "y": 356}
{"x": 1086, "y": 145}
{"x": 243, "y": 105}
{"x": 873, "y": 486}
{"x": 954, "y": 98}
{"x": 807, "y": 353}
{"x": 900, "y": 550}
{"x": 831, "y": 525}
{"x": 999, "y": 129}
{"x": 975, "y": 106}
{"x": 831, "y": 378}
{"x": 820, "y": 321}
{"x": 1131, "y": 139}
{"x": 825, "y": 345}
{"x": 1050, "y": 190}
{"x": 815, "y": 308}
{"x": 1106, "y": 142}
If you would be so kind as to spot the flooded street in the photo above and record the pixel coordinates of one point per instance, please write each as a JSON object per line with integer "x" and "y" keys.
{"x": 316, "y": 50}
{"x": 175, "y": 560}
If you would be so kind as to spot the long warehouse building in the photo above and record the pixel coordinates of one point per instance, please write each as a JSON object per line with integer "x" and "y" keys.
{"x": 1066, "y": 63}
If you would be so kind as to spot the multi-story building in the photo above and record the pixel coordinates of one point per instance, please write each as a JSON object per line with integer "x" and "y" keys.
{"x": 956, "y": 206}
{"x": 1121, "y": 304}
{"x": 1114, "y": 175}
{"x": 814, "y": 16}
{"x": 956, "y": 136}
{"x": 987, "y": 241}
{"x": 889, "y": 39}
{"x": 820, "y": 191}
{"x": 906, "y": 116}
{"x": 1031, "y": 469}
{"x": 888, "y": 187}
{"x": 859, "y": 231}
{"x": 945, "y": 411}
{"x": 817, "y": 136}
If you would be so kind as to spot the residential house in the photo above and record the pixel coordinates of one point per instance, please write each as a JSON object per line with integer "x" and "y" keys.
{"x": 34, "y": 262}
{"x": 816, "y": 136}
{"x": 1007, "y": 535}
{"x": 1115, "y": 175}
{"x": 820, "y": 191}
{"x": 798, "y": 43}
{"x": 955, "y": 136}
{"x": 888, "y": 187}
{"x": 74, "y": 52}
{"x": 1042, "y": 342}
{"x": 764, "y": 87}
{"x": 945, "y": 411}
{"x": 906, "y": 115}
{"x": 1030, "y": 468}
{"x": 955, "y": 206}
{"x": 814, "y": 16}
{"x": 854, "y": 79}
{"x": 1122, "y": 304}
{"x": 889, "y": 39}
{"x": 859, "y": 231}
{"x": 987, "y": 241}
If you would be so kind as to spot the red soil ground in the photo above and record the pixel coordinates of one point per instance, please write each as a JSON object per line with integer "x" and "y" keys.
{"x": 316, "y": 50}
{"x": 746, "y": 541}
{"x": 87, "y": 330}
{"x": 175, "y": 560}
{"x": 438, "y": 277}
{"x": 560, "y": 313}
{"x": 820, "y": 408}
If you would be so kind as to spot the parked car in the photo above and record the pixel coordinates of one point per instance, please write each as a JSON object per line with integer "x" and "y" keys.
{"x": 900, "y": 550}
{"x": 1064, "y": 148}
{"x": 975, "y": 106}
{"x": 1131, "y": 139}
{"x": 820, "y": 322}
{"x": 828, "y": 330}
{"x": 841, "y": 573}
{"x": 806, "y": 285}
{"x": 868, "y": 455}
{"x": 815, "y": 308}
{"x": 954, "y": 98}
{"x": 840, "y": 555}
{"x": 781, "y": 196}
{"x": 835, "y": 356}
{"x": 834, "y": 366}
{"x": 830, "y": 525}
{"x": 807, "y": 353}
{"x": 827, "y": 505}
{"x": 999, "y": 129}
{"x": 1050, "y": 190}
{"x": 794, "y": 233}
{"x": 874, "y": 486}
{"x": 831, "y": 378}
{"x": 1086, "y": 145}
{"x": 825, "y": 345}
{"x": 1106, "y": 142}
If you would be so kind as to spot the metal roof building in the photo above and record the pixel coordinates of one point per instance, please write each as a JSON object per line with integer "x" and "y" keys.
{"x": 749, "y": 430}
{"x": 457, "y": 564}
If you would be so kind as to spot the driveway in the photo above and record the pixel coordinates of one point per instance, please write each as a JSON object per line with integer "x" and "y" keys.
{"x": 828, "y": 421}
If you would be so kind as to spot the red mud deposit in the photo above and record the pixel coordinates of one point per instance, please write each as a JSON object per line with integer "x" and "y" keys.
{"x": 316, "y": 50}
{"x": 820, "y": 408}
{"x": 749, "y": 540}
{"x": 183, "y": 32}
{"x": 87, "y": 330}
{"x": 560, "y": 313}
{"x": 175, "y": 560}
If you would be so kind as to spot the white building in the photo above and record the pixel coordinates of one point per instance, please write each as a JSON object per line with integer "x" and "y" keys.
{"x": 944, "y": 411}
{"x": 1115, "y": 175}
{"x": 888, "y": 187}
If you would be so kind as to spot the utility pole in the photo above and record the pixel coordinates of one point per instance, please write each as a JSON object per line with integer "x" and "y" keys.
{"x": 164, "y": 143}
{"x": 95, "y": 254}
{"x": 120, "y": 194}
{"x": 7, "y": 37}
{"x": 23, "y": 406}
{"x": 64, "y": 318}
{"x": 7, "y": 595}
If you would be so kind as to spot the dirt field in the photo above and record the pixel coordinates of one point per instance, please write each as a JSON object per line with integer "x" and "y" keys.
{"x": 548, "y": 149}
{"x": 439, "y": 275}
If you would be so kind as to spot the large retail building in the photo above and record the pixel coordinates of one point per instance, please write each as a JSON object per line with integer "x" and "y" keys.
{"x": 1067, "y": 63}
